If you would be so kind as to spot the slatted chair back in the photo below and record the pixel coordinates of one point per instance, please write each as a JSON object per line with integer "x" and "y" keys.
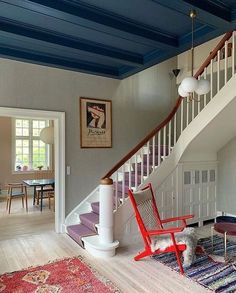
{"x": 146, "y": 211}
{"x": 43, "y": 174}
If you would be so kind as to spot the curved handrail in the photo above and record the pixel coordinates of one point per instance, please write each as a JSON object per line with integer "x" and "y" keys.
{"x": 213, "y": 54}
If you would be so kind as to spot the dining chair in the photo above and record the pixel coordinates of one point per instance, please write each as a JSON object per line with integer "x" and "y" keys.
{"x": 43, "y": 174}
{"x": 16, "y": 190}
{"x": 51, "y": 196}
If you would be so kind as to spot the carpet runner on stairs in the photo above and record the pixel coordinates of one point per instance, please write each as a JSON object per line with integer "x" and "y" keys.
{"x": 88, "y": 221}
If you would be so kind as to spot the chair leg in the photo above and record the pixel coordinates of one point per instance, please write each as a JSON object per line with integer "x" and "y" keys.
{"x": 22, "y": 199}
{"x": 9, "y": 207}
{"x": 26, "y": 203}
{"x": 143, "y": 254}
{"x": 177, "y": 253}
{"x": 49, "y": 201}
{"x": 7, "y": 203}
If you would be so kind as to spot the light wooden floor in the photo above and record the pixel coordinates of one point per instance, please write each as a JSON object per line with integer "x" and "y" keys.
{"x": 28, "y": 240}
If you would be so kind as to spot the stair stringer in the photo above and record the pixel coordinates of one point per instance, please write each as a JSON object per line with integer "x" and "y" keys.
{"x": 83, "y": 207}
{"x": 125, "y": 228}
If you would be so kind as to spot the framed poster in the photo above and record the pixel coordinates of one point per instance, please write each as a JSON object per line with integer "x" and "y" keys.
{"x": 95, "y": 123}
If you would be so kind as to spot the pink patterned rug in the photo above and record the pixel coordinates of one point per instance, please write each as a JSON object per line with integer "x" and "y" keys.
{"x": 72, "y": 275}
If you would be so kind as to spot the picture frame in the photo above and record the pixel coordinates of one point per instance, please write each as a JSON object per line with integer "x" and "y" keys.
{"x": 95, "y": 123}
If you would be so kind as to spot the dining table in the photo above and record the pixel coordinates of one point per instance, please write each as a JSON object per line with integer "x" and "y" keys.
{"x": 39, "y": 183}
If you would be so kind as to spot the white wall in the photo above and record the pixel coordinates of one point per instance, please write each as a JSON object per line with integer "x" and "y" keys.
{"x": 226, "y": 196}
{"x": 139, "y": 103}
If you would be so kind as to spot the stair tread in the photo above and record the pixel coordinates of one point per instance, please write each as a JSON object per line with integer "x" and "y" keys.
{"x": 90, "y": 220}
{"x": 78, "y": 231}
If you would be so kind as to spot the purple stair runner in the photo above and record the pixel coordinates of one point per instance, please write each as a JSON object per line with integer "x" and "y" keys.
{"x": 87, "y": 227}
{"x": 95, "y": 207}
{"x": 90, "y": 220}
{"x": 77, "y": 232}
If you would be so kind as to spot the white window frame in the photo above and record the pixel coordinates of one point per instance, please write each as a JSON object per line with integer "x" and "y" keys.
{"x": 31, "y": 138}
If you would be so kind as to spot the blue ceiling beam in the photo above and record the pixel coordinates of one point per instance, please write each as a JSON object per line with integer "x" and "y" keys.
{"x": 110, "y": 20}
{"x": 207, "y": 12}
{"x": 53, "y": 37}
{"x": 74, "y": 65}
{"x": 220, "y": 11}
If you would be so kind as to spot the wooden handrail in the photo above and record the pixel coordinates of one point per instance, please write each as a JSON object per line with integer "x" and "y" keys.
{"x": 213, "y": 54}
{"x": 145, "y": 140}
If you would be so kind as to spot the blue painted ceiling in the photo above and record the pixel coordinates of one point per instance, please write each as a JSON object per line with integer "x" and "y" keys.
{"x": 114, "y": 38}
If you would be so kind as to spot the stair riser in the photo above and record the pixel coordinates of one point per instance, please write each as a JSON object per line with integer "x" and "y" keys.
{"x": 89, "y": 222}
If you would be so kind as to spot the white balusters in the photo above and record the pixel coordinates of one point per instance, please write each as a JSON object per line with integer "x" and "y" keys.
{"x": 218, "y": 71}
{"x": 153, "y": 153}
{"x": 193, "y": 108}
{"x": 205, "y": 96}
{"x": 182, "y": 116}
{"x": 198, "y": 97}
{"x": 233, "y": 53}
{"x": 136, "y": 173}
{"x": 129, "y": 166}
{"x": 175, "y": 128}
{"x": 159, "y": 148}
{"x": 116, "y": 190}
{"x": 123, "y": 182}
{"x": 148, "y": 161}
{"x": 226, "y": 61}
{"x": 164, "y": 142}
{"x": 187, "y": 113}
{"x": 141, "y": 154}
{"x": 169, "y": 137}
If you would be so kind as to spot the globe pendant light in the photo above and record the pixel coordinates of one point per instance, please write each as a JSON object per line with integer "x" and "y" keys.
{"x": 190, "y": 84}
{"x": 47, "y": 135}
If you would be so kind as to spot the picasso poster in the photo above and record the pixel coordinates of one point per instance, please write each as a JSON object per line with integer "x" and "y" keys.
{"x": 95, "y": 123}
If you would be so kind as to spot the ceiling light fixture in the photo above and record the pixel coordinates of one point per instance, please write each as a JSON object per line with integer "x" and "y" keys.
{"x": 190, "y": 84}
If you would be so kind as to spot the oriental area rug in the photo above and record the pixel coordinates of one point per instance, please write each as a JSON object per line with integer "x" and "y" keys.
{"x": 72, "y": 275}
{"x": 208, "y": 269}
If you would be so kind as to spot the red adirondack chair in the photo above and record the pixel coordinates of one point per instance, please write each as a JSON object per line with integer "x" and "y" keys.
{"x": 150, "y": 224}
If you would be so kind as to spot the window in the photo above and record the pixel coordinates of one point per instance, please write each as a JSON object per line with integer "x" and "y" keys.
{"x": 29, "y": 151}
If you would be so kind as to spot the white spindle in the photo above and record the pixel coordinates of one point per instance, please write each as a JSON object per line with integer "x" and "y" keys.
{"x": 205, "y": 96}
{"x": 129, "y": 173}
{"x": 159, "y": 147}
{"x": 218, "y": 71}
{"x": 233, "y": 53}
{"x": 226, "y": 61}
{"x": 175, "y": 128}
{"x": 211, "y": 80}
{"x": 116, "y": 190}
{"x": 187, "y": 113}
{"x": 169, "y": 138}
{"x": 123, "y": 183}
{"x": 153, "y": 153}
{"x": 141, "y": 154}
{"x": 198, "y": 98}
{"x": 164, "y": 142}
{"x": 182, "y": 116}
{"x": 135, "y": 172}
{"x": 148, "y": 161}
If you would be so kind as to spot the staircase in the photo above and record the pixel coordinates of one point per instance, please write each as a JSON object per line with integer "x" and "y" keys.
{"x": 153, "y": 153}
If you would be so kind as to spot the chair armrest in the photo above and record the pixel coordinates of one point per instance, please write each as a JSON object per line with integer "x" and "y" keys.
{"x": 181, "y": 218}
{"x": 165, "y": 231}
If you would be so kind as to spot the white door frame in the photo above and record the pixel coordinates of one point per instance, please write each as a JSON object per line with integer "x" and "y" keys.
{"x": 59, "y": 145}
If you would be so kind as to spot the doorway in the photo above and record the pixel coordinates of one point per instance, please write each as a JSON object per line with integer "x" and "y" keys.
{"x": 59, "y": 154}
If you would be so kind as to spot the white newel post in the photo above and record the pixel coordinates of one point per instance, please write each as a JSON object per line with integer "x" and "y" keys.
{"x": 103, "y": 245}
{"x": 106, "y": 198}
{"x": 106, "y": 211}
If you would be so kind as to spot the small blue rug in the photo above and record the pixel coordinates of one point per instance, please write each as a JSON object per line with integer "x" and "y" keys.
{"x": 215, "y": 276}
